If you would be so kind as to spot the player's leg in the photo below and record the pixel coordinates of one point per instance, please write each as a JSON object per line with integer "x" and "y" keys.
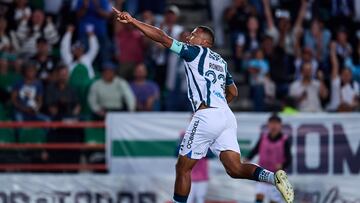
{"x": 236, "y": 169}
{"x": 183, "y": 178}
{"x": 227, "y": 148}
{"x": 201, "y": 132}
{"x": 233, "y": 166}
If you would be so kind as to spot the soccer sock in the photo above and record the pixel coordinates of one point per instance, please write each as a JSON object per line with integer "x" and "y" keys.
{"x": 179, "y": 198}
{"x": 263, "y": 175}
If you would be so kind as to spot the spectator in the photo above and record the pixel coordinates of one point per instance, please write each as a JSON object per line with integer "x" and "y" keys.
{"x": 280, "y": 64}
{"x": 27, "y": 96}
{"x": 248, "y": 41}
{"x": 343, "y": 47}
{"x": 92, "y": 14}
{"x": 45, "y": 63}
{"x": 160, "y": 54}
{"x": 353, "y": 63}
{"x": 131, "y": 48}
{"x": 176, "y": 84}
{"x": 284, "y": 35}
{"x": 236, "y": 15}
{"x": 345, "y": 91}
{"x": 146, "y": 92}
{"x": 75, "y": 54}
{"x": 7, "y": 79}
{"x": 317, "y": 38}
{"x": 21, "y": 11}
{"x": 217, "y": 10}
{"x": 341, "y": 13}
{"x": 24, "y": 40}
{"x": 306, "y": 56}
{"x": 274, "y": 152}
{"x": 5, "y": 43}
{"x": 61, "y": 100}
{"x": 258, "y": 69}
{"x": 110, "y": 93}
{"x": 308, "y": 91}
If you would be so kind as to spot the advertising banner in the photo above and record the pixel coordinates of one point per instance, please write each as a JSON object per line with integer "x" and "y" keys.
{"x": 325, "y": 150}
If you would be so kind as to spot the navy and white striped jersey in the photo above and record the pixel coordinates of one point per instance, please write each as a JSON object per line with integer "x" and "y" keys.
{"x": 207, "y": 75}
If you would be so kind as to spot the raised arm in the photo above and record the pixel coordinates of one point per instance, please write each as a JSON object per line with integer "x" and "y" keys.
{"x": 268, "y": 14}
{"x": 334, "y": 61}
{"x": 150, "y": 31}
{"x": 301, "y": 15}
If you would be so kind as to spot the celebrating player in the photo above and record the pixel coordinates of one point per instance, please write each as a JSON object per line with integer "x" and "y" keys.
{"x": 210, "y": 89}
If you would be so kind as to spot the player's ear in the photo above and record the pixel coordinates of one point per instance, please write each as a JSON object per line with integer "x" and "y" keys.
{"x": 206, "y": 43}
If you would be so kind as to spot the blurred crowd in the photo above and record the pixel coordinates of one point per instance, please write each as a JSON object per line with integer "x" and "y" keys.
{"x": 67, "y": 59}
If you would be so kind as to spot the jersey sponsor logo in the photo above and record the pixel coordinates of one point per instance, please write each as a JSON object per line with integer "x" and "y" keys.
{"x": 218, "y": 94}
{"x": 198, "y": 153}
{"x": 216, "y": 67}
{"x": 193, "y": 131}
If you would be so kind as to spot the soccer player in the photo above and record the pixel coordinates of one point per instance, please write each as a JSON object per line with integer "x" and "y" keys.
{"x": 210, "y": 89}
{"x": 273, "y": 148}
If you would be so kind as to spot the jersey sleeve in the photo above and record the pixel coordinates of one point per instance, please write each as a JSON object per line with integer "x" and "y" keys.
{"x": 185, "y": 51}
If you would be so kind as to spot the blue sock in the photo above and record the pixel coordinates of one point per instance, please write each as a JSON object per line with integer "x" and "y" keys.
{"x": 179, "y": 198}
{"x": 263, "y": 175}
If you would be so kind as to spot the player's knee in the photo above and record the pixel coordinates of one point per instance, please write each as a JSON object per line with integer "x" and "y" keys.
{"x": 182, "y": 169}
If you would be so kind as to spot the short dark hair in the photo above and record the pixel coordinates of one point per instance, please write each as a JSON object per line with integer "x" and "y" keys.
{"x": 209, "y": 32}
{"x": 274, "y": 118}
{"x": 41, "y": 40}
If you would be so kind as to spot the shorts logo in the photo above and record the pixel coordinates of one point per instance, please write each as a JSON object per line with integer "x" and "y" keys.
{"x": 193, "y": 131}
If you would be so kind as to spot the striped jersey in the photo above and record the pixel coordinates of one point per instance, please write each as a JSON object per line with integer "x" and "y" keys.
{"x": 207, "y": 75}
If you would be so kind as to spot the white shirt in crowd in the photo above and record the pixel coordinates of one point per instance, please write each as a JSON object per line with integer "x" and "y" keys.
{"x": 86, "y": 59}
{"x": 344, "y": 94}
{"x": 312, "y": 101}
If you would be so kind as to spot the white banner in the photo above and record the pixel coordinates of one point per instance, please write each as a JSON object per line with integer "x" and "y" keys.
{"x": 154, "y": 189}
{"x": 325, "y": 151}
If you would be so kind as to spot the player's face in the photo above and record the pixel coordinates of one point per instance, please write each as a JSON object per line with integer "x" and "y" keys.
{"x": 274, "y": 127}
{"x": 195, "y": 38}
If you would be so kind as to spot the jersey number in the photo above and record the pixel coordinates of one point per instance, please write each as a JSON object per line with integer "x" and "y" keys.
{"x": 214, "y": 78}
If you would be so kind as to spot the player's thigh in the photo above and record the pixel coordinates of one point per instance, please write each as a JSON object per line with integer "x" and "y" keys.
{"x": 227, "y": 141}
{"x": 202, "y": 131}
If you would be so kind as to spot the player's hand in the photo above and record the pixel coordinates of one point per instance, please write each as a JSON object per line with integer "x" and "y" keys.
{"x": 123, "y": 17}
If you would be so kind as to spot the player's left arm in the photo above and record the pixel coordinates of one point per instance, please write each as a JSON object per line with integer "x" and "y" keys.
{"x": 230, "y": 90}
